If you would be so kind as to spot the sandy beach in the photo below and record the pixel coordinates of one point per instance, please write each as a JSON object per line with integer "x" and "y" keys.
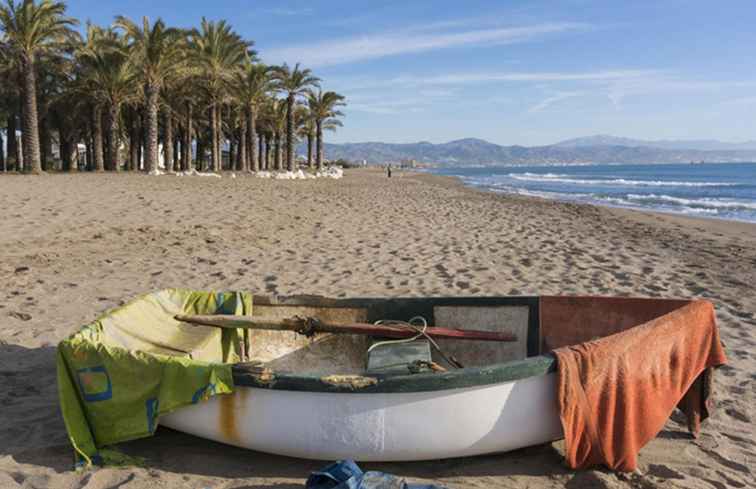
{"x": 73, "y": 246}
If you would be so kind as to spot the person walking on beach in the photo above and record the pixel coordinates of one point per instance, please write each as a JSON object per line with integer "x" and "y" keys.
{"x": 388, "y": 170}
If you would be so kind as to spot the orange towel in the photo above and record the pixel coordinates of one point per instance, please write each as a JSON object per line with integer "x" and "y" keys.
{"x": 616, "y": 393}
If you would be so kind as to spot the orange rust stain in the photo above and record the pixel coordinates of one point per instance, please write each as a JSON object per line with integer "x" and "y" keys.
{"x": 227, "y": 419}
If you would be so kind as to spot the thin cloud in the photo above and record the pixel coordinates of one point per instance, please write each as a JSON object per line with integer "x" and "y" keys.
{"x": 462, "y": 79}
{"x": 387, "y": 108}
{"x": 616, "y": 85}
{"x": 413, "y": 40}
{"x": 467, "y": 78}
{"x": 288, "y": 11}
{"x": 549, "y": 101}
{"x": 380, "y": 105}
{"x": 422, "y": 92}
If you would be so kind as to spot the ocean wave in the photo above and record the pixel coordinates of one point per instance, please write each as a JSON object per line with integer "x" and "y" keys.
{"x": 711, "y": 207}
{"x": 559, "y": 178}
{"x": 703, "y": 202}
{"x": 681, "y": 194}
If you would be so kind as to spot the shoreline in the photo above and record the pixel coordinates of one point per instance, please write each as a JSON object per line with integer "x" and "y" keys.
{"x": 596, "y": 202}
{"x": 721, "y": 224}
{"x": 739, "y": 228}
{"x": 73, "y": 246}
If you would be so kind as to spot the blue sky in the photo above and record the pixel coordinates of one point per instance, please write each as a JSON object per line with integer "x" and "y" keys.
{"x": 512, "y": 72}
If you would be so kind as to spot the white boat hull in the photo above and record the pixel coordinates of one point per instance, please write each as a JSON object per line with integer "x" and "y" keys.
{"x": 380, "y": 426}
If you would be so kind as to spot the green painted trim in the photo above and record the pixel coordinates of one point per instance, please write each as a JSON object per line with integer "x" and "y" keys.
{"x": 252, "y": 376}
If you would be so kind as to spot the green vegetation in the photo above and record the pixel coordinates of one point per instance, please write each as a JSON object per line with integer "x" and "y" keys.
{"x": 111, "y": 96}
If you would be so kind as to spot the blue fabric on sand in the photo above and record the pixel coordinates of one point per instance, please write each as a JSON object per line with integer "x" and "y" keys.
{"x": 345, "y": 474}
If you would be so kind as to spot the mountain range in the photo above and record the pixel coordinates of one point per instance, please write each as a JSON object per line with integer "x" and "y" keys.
{"x": 591, "y": 149}
{"x": 700, "y": 144}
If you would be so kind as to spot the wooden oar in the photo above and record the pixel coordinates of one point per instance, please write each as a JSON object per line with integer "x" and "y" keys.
{"x": 309, "y": 326}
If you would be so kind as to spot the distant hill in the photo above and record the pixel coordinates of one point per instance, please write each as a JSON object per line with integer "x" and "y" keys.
{"x": 702, "y": 144}
{"x": 593, "y": 149}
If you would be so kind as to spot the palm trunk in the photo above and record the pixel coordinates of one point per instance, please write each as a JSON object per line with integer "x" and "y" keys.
{"x": 88, "y": 161}
{"x": 32, "y": 158}
{"x": 65, "y": 162}
{"x": 319, "y": 144}
{"x": 277, "y": 154}
{"x": 19, "y": 154}
{"x": 186, "y": 146}
{"x": 252, "y": 154}
{"x": 73, "y": 154}
{"x": 201, "y": 154}
{"x": 243, "y": 163}
{"x": 290, "y": 133}
{"x": 310, "y": 137}
{"x": 134, "y": 143}
{"x": 267, "y": 153}
{"x": 260, "y": 165}
{"x": 64, "y": 138}
{"x": 105, "y": 140}
{"x": 176, "y": 150}
{"x": 20, "y": 138}
{"x": 11, "y": 161}
{"x": 45, "y": 143}
{"x": 67, "y": 151}
{"x": 221, "y": 137}
{"x": 168, "y": 141}
{"x": 151, "y": 155}
{"x": 99, "y": 164}
{"x": 139, "y": 150}
{"x": 214, "y": 138}
{"x": 113, "y": 137}
{"x": 232, "y": 159}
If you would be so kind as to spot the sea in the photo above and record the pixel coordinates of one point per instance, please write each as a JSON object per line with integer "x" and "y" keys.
{"x": 713, "y": 190}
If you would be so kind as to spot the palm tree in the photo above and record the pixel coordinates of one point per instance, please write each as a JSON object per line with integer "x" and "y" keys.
{"x": 323, "y": 107}
{"x": 293, "y": 82}
{"x": 182, "y": 95}
{"x": 156, "y": 52}
{"x": 218, "y": 52}
{"x": 279, "y": 121}
{"x": 168, "y": 134}
{"x": 307, "y": 130}
{"x": 32, "y": 28}
{"x": 92, "y": 45}
{"x": 172, "y": 102}
{"x": 252, "y": 85}
{"x": 109, "y": 79}
{"x": 11, "y": 96}
{"x": 56, "y": 75}
{"x": 266, "y": 129}
{"x": 59, "y": 79}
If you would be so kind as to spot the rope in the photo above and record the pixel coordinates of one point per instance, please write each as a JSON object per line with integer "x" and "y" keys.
{"x": 405, "y": 324}
{"x": 420, "y": 333}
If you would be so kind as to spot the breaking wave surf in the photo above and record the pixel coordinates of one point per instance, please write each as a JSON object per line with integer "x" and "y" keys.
{"x": 557, "y": 178}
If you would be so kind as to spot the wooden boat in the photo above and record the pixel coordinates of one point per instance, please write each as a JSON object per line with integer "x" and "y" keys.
{"x": 325, "y": 397}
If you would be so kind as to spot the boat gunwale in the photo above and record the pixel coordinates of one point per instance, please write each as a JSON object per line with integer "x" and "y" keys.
{"x": 249, "y": 375}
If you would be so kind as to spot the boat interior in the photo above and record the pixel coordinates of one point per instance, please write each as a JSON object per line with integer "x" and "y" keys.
{"x": 539, "y": 324}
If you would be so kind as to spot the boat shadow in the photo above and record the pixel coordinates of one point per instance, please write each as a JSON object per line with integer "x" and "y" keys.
{"x": 31, "y": 426}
